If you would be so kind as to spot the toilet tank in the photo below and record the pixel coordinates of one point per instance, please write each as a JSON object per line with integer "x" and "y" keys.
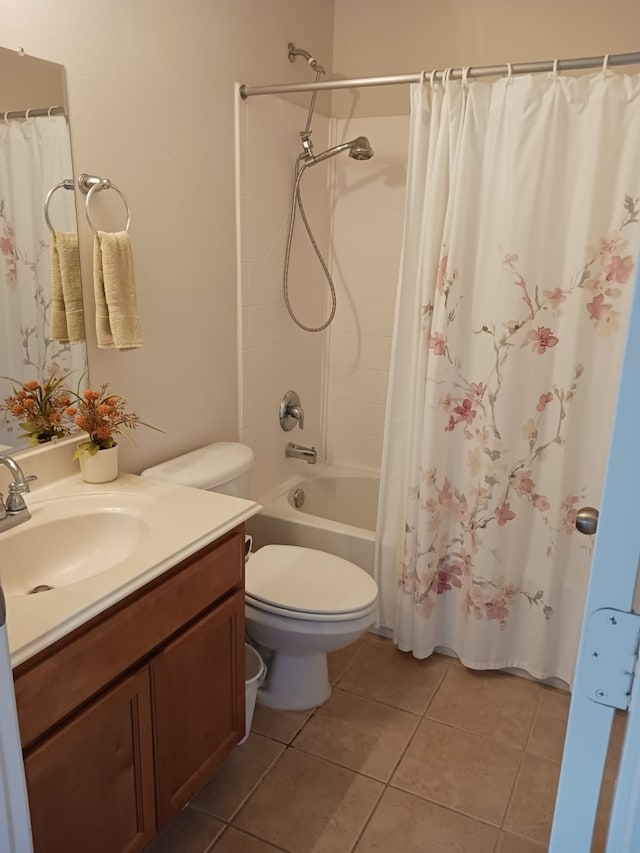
{"x": 222, "y": 467}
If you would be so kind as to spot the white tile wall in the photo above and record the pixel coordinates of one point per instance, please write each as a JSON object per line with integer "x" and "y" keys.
{"x": 366, "y": 213}
{"x": 368, "y": 209}
{"x": 276, "y": 355}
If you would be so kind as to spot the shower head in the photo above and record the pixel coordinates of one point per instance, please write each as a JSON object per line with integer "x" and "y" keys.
{"x": 359, "y": 149}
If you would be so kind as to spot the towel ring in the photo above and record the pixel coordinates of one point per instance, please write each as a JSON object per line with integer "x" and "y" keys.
{"x": 105, "y": 184}
{"x": 67, "y": 184}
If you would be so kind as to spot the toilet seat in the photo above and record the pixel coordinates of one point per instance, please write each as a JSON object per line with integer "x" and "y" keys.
{"x": 292, "y": 581}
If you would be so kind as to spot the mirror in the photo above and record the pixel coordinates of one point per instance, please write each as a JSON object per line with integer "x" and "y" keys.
{"x": 41, "y": 314}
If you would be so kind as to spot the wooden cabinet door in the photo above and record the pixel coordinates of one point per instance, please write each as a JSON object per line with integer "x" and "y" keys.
{"x": 91, "y": 783}
{"x": 198, "y": 703}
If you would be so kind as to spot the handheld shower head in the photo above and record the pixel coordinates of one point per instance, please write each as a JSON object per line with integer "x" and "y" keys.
{"x": 359, "y": 149}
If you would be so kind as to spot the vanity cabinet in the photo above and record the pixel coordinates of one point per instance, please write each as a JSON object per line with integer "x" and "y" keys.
{"x": 124, "y": 719}
{"x": 195, "y": 719}
{"x": 91, "y": 783}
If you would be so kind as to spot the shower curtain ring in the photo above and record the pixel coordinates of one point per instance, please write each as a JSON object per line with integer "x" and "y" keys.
{"x": 509, "y": 72}
{"x": 465, "y": 75}
{"x": 555, "y": 67}
{"x": 605, "y": 63}
{"x": 6, "y": 113}
{"x": 445, "y": 76}
{"x": 26, "y": 114}
{"x": 432, "y": 78}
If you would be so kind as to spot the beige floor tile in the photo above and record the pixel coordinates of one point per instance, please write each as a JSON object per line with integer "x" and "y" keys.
{"x": 615, "y": 745}
{"x": 602, "y": 817}
{"x": 232, "y": 783}
{"x": 516, "y": 844}
{"x": 531, "y": 810}
{"x": 234, "y": 841}
{"x": 358, "y": 733}
{"x": 192, "y": 831}
{"x": 339, "y": 661}
{"x": 549, "y": 728}
{"x": 458, "y": 769}
{"x": 382, "y": 672}
{"x": 403, "y": 822}
{"x": 498, "y": 706}
{"x": 307, "y": 804}
{"x": 279, "y": 725}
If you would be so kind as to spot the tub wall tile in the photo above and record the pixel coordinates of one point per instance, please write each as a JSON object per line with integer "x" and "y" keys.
{"x": 368, "y": 215}
{"x": 276, "y": 355}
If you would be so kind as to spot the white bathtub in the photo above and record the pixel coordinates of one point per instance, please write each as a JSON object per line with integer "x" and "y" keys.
{"x": 338, "y": 514}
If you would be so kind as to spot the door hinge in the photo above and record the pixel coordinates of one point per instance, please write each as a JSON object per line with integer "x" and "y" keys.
{"x": 611, "y": 652}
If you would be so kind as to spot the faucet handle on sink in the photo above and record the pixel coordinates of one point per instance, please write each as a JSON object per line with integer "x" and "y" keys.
{"x": 15, "y": 502}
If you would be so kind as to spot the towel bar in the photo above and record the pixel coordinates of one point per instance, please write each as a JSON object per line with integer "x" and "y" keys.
{"x": 67, "y": 184}
{"x": 90, "y": 184}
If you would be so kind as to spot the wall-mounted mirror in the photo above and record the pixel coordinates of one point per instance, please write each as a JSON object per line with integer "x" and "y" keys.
{"x": 41, "y": 316}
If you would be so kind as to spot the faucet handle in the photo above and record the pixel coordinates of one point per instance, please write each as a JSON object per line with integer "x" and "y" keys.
{"x": 291, "y": 412}
{"x": 22, "y": 487}
{"x": 15, "y": 501}
{"x": 3, "y": 510}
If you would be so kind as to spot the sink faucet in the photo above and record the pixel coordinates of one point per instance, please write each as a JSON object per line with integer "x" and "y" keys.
{"x": 299, "y": 451}
{"x": 14, "y": 511}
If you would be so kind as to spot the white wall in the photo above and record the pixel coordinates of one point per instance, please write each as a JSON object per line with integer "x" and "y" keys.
{"x": 152, "y": 107}
{"x": 379, "y": 37}
{"x": 276, "y": 355}
{"x": 368, "y": 216}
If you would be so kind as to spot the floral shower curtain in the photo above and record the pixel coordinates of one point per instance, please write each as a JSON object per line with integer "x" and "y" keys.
{"x": 35, "y": 155}
{"x": 521, "y": 234}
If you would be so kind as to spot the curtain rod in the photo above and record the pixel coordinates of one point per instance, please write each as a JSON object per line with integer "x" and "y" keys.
{"x": 455, "y": 74}
{"x": 33, "y": 113}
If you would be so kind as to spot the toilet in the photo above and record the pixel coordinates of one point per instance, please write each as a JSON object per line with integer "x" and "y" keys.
{"x": 300, "y": 603}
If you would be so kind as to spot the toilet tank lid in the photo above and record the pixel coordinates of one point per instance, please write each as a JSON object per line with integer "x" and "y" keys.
{"x": 205, "y": 468}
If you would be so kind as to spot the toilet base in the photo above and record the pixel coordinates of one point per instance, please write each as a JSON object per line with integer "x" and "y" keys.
{"x": 295, "y": 682}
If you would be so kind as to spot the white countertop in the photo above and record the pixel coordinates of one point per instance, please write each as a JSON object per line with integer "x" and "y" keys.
{"x": 181, "y": 520}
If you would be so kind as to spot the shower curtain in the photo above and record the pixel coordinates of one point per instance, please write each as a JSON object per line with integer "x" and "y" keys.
{"x": 35, "y": 155}
{"x": 521, "y": 237}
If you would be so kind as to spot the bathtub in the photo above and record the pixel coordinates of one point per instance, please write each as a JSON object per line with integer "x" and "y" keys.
{"x": 337, "y": 514}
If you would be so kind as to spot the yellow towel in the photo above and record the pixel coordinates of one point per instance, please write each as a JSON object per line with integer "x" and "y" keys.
{"x": 117, "y": 323}
{"x": 67, "y": 312}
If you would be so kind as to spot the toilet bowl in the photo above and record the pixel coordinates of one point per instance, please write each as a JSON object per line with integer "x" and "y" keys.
{"x": 300, "y": 603}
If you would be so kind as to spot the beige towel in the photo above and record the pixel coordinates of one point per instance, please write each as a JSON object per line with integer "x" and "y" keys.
{"x": 67, "y": 312}
{"x": 117, "y": 323}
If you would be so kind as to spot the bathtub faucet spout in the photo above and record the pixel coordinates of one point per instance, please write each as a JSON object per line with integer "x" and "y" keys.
{"x": 299, "y": 451}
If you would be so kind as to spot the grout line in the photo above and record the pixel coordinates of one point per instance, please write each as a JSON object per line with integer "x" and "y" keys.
{"x": 211, "y": 846}
{"x": 518, "y": 773}
{"x": 369, "y": 818}
{"x": 250, "y": 834}
{"x": 255, "y": 786}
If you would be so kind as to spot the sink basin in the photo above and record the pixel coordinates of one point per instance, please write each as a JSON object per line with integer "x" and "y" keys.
{"x": 68, "y": 540}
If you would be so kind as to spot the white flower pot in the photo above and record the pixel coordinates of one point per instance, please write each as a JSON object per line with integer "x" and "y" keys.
{"x": 102, "y": 467}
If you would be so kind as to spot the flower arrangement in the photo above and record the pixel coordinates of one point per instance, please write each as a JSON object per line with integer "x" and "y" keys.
{"x": 40, "y": 405}
{"x": 103, "y": 416}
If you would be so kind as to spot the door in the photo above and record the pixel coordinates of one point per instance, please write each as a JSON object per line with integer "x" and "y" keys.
{"x": 91, "y": 783}
{"x": 609, "y": 640}
{"x": 198, "y": 703}
{"x": 15, "y": 831}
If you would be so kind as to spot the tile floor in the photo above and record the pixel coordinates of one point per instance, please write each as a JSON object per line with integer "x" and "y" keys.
{"x": 405, "y": 756}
